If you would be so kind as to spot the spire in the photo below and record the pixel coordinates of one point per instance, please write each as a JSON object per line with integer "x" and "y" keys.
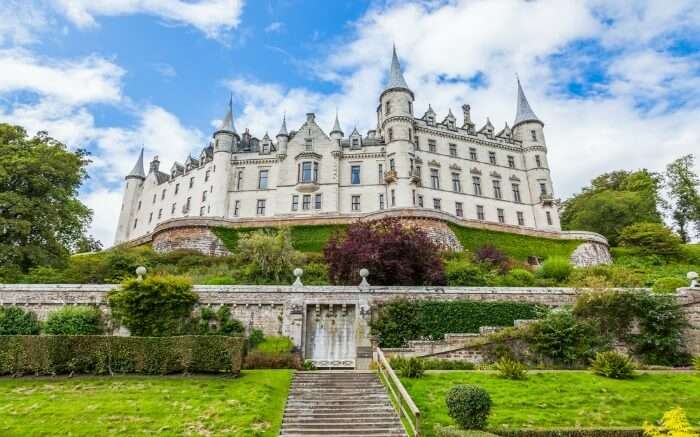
{"x": 396, "y": 79}
{"x": 524, "y": 112}
{"x": 336, "y": 125}
{"x": 227, "y": 124}
{"x": 138, "y": 171}
{"x": 283, "y": 128}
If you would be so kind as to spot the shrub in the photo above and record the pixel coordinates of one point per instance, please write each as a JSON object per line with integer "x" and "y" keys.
{"x": 437, "y": 364}
{"x": 268, "y": 256}
{"x": 17, "y": 321}
{"x": 613, "y": 364}
{"x": 651, "y": 238}
{"x": 557, "y": 268}
{"x": 394, "y": 253}
{"x": 272, "y": 360}
{"x": 674, "y": 423}
{"x": 668, "y": 285}
{"x": 156, "y": 306}
{"x": 80, "y": 320}
{"x": 696, "y": 363}
{"x": 217, "y": 322}
{"x": 255, "y": 337}
{"x": 315, "y": 273}
{"x": 451, "y": 431}
{"x": 490, "y": 254}
{"x": 461, "y": 273}
{"x": 308, "y": 365}
{"x": 61, "y": 354}
{"x": 413, "y": 368}
{"x": 511, "y": 369}
{"x": 468, "y": 405}
{"x": 518, "y": 278}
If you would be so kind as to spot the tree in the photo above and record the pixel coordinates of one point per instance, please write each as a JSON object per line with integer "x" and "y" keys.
{"x": 682, "y": 183}
{"x": 268, "y": 256}
{"x": 613, "y": 201}
{"x": 41, "y": 218}
{"x": 651, "y": 238}
{"x": 394, "y": 253}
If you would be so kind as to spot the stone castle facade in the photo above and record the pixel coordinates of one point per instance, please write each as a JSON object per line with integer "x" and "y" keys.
{"x": 409, "y": 162}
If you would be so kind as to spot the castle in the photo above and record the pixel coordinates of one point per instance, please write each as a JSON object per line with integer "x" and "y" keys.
{"x": 407, "y": 163}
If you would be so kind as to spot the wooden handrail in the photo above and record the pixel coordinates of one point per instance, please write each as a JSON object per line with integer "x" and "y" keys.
{"x": 399, "y": 393}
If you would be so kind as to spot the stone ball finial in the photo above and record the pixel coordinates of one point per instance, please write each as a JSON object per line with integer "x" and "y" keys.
{"x": 693, "y": 278}
{"x": 140, "y": 272}
{"x": 298, "y": 272}
{"x": 364, "y": 273}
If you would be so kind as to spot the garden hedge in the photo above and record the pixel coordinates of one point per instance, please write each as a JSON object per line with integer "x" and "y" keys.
{"x": 64, "y": 354}
{"x": 572, "y": 432}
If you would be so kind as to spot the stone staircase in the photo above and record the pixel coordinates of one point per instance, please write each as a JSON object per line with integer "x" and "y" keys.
{"x": 339, "y": 404}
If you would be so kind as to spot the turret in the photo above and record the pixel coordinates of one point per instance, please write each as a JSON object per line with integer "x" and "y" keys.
{"x": 225, "y": 137}
{"x": 527, "y": 127}
{"x": 130, "y": 202}
{"x": 336, "y": 132}
{"x": 225, "y": 142}
{"x": 283, "y": 138}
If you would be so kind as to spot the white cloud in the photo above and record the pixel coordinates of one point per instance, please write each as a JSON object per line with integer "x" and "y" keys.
{"x": 275, "y": 26}
{"x": 106, "y": 206}
{"x": 165, "y": 70}
{"x": 212, "y": 17}
{"x": 20, "y": 22}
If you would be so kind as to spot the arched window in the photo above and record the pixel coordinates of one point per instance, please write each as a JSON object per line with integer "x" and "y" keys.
{"x": 391, "y": 134}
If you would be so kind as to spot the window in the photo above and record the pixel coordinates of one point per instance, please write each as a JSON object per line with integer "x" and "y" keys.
{"x": 453, "y": 149}
{"x": 204, "y": 196}
{"x": 392, "y": 164}
{"x": 432, "y": 147}
{"x": 177, "y": 188}
{"x": 416, "y": 142}
{"x": 472, "y": 154}
{"x": 262, "y": 179}
{"x": 419, "y": 174}
{"x": 187, "y": 204}
{"x": 479, "y": 212}
{"x": 476, "y": 181}
{"x": 162, "y": 194}
{"x": 497, "y": 189}
{"x": 150, "y": 217}
{"x": 206, "y": 175}
{"x": 239, "y": 179}
{"x": 154, "y": 198}
{"x": 492, "y": 158}
{"x": 138, "y": 208}
{"x": 308, "y": 144}
{"x": 355, "y": 143}
{"x": 191, "y": 182}
{"x": 533, "y": 135}
{"x": 136, "y": 222}
{"x": 295, "y": 202}
{"x": 261, "y": 207}
{"x": 516, "y": 193}
{"x": 172, "y": 208}
{"x": 391, "y": 134}
{"x": 380, "y": 173}
{"x": 393, "y": 197}
{"x": 549, "y": 218}
{"x": 501, "y": 215}
{"x": 317, "y": 201}
{"x": 543, "y": 188}
{"x": 437, "y": 204}
{"x": 410, "y": 134}
{"x": 413, "y": 194}
{"x": 420, "y": 200}
{"x": 521, "y": 218}
{"x": 160, "y": 213}
{"x": 355, "y": 203}
{"x": 435, "y": 178}
{"x": 306, "y": 202}
{"x": 410, "y": 107}
{"x": 355, "y": 174}
{"x": 387, "y": 108}
{"x": 381, "y": 201}
{"x": 538, "y": 161}
{"x": 236, "y": 208}
{"x": 511, "y": 161}
{"x": 456, "y": 183}
{"x": 459, "y": 211}
{"x": 315, "y": 171}
{"x": 307, "y": 172}
{"x": 201, "y": 211}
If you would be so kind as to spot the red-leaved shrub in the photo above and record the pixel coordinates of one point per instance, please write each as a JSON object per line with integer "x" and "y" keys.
{"x": 394, "y": 253}
{"x": 490, "y": 254}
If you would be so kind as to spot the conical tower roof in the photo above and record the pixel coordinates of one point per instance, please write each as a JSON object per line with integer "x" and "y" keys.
{"x": 138, "y": 171}
{"x": 524, "y": 112}
{"x": 336, "y": 125}
{"x": 396, "y": 79}
{"x": 227, "y": 125}
{"x": 283, "y": 128}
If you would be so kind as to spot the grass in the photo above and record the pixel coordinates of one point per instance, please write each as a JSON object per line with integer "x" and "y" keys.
{"x": 278, "y": 344}
{"x": 305, "y": 238}
{"x": 251, "y": 405}
{"x": 559, "y": 399}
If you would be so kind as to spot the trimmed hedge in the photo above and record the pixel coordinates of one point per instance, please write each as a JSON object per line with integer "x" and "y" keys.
{"x": 92, "y": 354}
{"x": 572, "y": 432}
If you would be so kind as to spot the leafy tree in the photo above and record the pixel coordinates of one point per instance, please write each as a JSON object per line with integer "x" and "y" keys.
{"x": 650, "y": 238}
{"x": 154, "y": 307}
{"x": 613, "y": 201}
{"x": 394, "y": 253}
{"x": 268, "y": 256}
{"x": 682, "y": 183}
{"x": 41, "y": 218}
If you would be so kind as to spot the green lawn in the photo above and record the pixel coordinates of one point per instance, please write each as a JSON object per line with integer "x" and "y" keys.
{"x": 562, "y": 399}
{"x": 251, "y": 405}
{"x": 305, "y": 238}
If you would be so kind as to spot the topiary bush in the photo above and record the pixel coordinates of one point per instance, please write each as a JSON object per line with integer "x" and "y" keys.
{"x": 74, "y": 320}
{"x": 557, "y": 268}
{"x": 153, "y": 307}
{"x": 668, "y": 285}
{"x": 469, "y": 405}
{"x": 18, "y": 321}
{"x": 509, "y": 368}
{"x": 613, "y": 364}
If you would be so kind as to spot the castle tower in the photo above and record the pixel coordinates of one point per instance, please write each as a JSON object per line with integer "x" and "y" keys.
{"x": 529, "y": 129}
{"x": 395, "y": 116}
{"x": 225, "y": 142}
{"x": 282, "y": 138}
{"x": 130, "y": 202}
{"x": 336, "y": 132}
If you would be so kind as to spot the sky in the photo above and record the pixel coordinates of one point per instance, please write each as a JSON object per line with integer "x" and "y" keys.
{"x": 616, "y": 82}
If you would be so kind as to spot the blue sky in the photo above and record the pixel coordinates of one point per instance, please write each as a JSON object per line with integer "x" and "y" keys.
{"x": 617, "y": 83}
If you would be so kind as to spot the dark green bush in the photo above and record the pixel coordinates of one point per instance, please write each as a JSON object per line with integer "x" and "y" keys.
{"x": 255, "y": 337}
{"x": 469, "y": 405}
{"x": 509, "y": 368}
{"x": 613, "y": 364}
{"x": 18, "y": 321}
{"x": 219, "y": 322}
{"x": 59, "y": 354}
{"x": 74, "y": 320}
{"x": 668, "y": 284}
{"x": 156, "y": 306}
{"x": 557, "y": 268}
{"x": 461, "y": 272}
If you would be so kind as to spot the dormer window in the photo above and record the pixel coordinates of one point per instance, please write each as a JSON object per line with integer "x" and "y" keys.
{"x": 431, "y": 119}
{"x": 451, "y": 124}
{"x": 265, "y": 148}
{"x": 355, "y": 143}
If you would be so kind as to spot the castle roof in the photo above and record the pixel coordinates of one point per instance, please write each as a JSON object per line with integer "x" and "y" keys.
{"x": 336, "y": 125}
{"x": 227, "y": 124}
{"x": 283, "y": 128}
{"x": 524, "y": 111}
{"x": 396, "y": 79}
{"x": 138, "y": 170}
